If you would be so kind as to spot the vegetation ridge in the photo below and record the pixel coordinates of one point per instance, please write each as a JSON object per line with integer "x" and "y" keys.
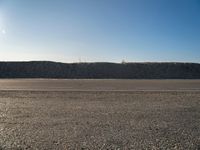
{"x": 100, "y": 70}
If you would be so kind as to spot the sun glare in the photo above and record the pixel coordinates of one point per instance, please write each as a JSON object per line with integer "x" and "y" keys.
{"x": 3, "y": 31}
{"x": 2, "y": 26}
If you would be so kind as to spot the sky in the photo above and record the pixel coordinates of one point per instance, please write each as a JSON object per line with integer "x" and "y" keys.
{"x": 100, "y": 30}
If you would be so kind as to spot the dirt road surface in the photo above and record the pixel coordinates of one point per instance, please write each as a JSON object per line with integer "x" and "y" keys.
{"x": 100, "y": 114}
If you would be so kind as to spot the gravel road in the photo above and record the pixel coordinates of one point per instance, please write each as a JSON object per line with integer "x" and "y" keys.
{"x": 137, "y": 120}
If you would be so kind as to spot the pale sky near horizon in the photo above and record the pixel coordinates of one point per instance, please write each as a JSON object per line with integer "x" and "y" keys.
{"x": 100, "y": 30}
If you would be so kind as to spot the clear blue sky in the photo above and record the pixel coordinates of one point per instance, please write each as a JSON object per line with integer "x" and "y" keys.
{"x": 100, "y": 30}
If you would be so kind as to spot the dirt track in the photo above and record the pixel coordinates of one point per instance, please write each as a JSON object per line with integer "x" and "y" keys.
{"x": 99, "y": 85}
{"x": 41, "y": 118}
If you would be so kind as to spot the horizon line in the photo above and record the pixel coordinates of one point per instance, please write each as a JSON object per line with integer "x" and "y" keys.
{"x": 122, "y": 62}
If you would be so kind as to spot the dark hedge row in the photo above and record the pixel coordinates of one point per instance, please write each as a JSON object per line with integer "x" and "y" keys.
{"x": 45, "y": 69}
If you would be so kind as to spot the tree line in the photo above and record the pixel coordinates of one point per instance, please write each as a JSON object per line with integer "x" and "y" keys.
{"x": 100, "y": 70}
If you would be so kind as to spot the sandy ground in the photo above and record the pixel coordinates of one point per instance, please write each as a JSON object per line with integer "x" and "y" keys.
{"x": 100, "y": 114}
